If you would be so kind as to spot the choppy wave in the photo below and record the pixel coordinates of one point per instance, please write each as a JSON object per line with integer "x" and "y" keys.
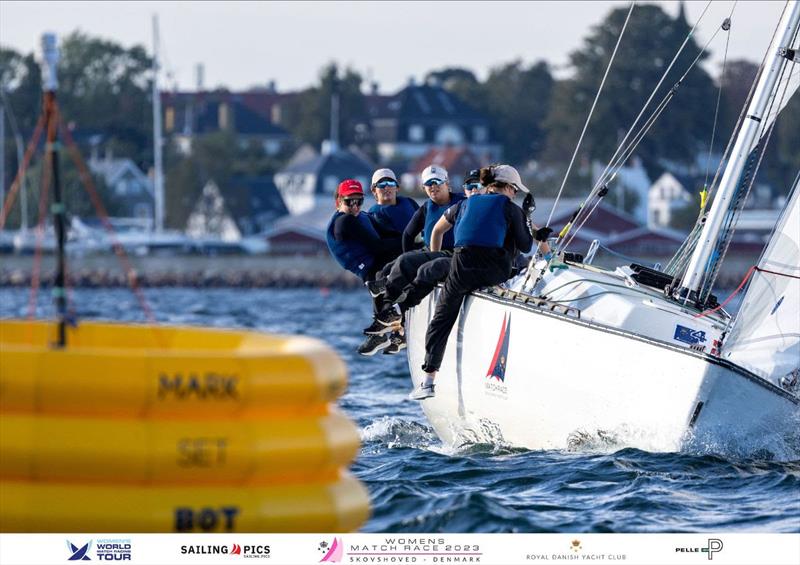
{"x": 599, "y": 485}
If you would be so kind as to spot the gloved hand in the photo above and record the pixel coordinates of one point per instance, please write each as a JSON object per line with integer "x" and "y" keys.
{"x": 542, "y": 234}
{"x": 528, "y": 205}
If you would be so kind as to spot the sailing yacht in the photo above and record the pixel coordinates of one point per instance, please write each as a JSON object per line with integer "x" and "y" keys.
{"x": 572, "y": 355}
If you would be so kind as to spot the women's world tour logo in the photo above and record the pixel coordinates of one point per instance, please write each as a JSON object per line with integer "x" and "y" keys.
{"x": 496, "y": 374}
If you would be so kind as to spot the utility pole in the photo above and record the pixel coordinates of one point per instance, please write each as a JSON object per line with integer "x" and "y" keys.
{"x": 158, "y": 159}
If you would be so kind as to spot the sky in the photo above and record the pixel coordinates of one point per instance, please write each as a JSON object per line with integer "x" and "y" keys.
{"x": 245, "y": 44}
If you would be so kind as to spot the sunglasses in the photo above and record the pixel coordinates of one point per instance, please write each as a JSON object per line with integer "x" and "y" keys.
{"x": 472, "y": 186}
{"x": 350, "y": 202}
{"x": 384, "y": 184}
{"x": 433, "y": 182}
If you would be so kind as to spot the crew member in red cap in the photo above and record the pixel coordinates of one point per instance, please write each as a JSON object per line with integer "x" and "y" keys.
{"x": 359, "y": 245}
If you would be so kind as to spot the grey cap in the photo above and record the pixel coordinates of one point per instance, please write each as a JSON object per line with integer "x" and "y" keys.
{"x": 509, "y": 175}
{"x": 383, "y": 174}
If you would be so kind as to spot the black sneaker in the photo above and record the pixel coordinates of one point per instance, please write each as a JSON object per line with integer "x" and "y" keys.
{"x": 389, "y": 316}
{"x": 396, "y": 345}
{"x": 373, "y": 344}
{"x": 376, "y": 328}
{"x": 376, "y": 288}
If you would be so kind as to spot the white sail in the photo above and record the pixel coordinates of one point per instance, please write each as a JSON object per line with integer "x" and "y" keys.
{"x": 786, "y": 89}
{"x": 765, "y": 338}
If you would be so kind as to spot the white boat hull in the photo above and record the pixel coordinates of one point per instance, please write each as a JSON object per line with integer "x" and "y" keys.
{"x": 579, "y": 382}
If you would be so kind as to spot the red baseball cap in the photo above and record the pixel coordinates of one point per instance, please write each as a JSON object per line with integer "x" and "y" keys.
{"x": 349, "y": 187}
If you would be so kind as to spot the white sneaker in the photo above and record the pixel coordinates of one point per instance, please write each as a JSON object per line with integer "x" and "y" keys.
{"x": 422, "y": 392}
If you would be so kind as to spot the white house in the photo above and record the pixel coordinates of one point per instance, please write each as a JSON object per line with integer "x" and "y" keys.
{"x": 666, "y": 196}
{"x": 211, "y": 217}
{"x": 130, "y": 186}
{"x": 310, "y": 181}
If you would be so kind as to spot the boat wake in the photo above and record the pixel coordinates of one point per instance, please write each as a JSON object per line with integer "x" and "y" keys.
{"x": 390, "y": 432}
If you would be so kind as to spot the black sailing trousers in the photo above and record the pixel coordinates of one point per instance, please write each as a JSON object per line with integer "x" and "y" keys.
{"x": 416, "y": 274}
{"x": 471, "y": 268}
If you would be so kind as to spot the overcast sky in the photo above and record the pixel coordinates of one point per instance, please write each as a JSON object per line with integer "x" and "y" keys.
{"x": 242, "y": 44}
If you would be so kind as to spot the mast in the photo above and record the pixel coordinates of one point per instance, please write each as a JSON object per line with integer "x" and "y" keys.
{"x": 50, "y": 85}
{"x": 158, "y": 169}
{"x": 745, "y": 142}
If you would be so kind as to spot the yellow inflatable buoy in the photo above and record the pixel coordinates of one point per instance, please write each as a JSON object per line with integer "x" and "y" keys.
{"x": 57, "y": 507}
{"x": 135, "y": 428}
{"x": 129, "y": 370}
{"x": 179, "y": 451}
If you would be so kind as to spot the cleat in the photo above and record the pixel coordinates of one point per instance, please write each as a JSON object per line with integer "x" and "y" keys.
{"x": 397, "y": 343}
{"x": 373, "y": 344}
{"x": 422, "y": 392}
{"x": 376, "y": 288}
{"x": 389, "y": 316}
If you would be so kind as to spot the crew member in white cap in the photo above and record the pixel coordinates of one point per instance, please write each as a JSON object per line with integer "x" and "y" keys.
{"x": 489, "y": 232}
{"x": 392, "y": 212}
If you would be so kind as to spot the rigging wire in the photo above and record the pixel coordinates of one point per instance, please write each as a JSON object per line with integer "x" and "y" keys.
{"x": 625, "y": 148}
{"x": 719, "y": 98}
{"x": 44, "y": 193}
{"x": 88, "y": 184}
{"x": 600, "y": 181}
{"x": 12, "y": 193}
{"x": 591, "y": 112}
{"x": 680, "y": 262}
{"x": 735, "y": 212}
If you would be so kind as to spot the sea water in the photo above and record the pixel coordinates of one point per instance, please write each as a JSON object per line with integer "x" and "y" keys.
{"x": 419, "y": 485}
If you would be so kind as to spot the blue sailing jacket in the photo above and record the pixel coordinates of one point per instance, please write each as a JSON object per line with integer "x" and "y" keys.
{"x": 394, "y": 217}
{"x": 433, "y": 212}
{"x": 351, "y": 254}
{"x": 482, "y": 222}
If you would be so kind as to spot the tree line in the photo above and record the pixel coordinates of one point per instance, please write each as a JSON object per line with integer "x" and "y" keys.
{"x": 105, "y": 90}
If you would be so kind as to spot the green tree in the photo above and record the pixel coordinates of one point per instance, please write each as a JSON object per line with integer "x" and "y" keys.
{"x": 650, "y": 43}
{"x": 308, "y": 114}
{"x": 106, "y": 87}
{"x": 518, "y": 100}
{"x": 514, "y": 97}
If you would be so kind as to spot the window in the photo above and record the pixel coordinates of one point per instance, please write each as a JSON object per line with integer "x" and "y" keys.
{"x": 416, "y": 133}
{"x": 449, "y": 134}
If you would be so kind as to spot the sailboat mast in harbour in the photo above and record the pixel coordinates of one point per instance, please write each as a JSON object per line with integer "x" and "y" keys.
{"x": 50, "y": 86}
{"x": 158, "y": 165}
{"x": 745, "y": 142}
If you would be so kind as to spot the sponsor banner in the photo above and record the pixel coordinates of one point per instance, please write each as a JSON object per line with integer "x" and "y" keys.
{"x": 500, "y": 549}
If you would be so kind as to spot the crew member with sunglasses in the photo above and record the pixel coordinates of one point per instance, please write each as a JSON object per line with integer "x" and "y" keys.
{"x": 416, "y": 272}
{"x": 489, "y": 232}
{"x": 360, "y": 246}
{"x": 392, "y": 212}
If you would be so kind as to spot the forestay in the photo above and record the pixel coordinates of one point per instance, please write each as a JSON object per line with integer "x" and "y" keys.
{"x": 765, "y": 338}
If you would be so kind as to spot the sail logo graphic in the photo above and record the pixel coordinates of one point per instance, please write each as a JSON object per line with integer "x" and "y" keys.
{"x": 333, "y": 551}
{"x": 688, "y": 335}
{"x": 497, "y": 368}
{"x": 79, "y": 553}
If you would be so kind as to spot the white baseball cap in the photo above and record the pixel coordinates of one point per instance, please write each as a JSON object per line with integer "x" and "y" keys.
{"x": 381, "y": 174}
{"x": 434, "y": 172}
{"x": 509, "y": 175}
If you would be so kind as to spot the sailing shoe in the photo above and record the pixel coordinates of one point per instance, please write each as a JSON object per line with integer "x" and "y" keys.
{"x": 396, "y": 345}
{"x": 373, "y": 344}
{"x": 389, "y": 316}
{"x": 376, "y": 328}
{"x": 376, "y": 288}
{"x": 422, "y": 392}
